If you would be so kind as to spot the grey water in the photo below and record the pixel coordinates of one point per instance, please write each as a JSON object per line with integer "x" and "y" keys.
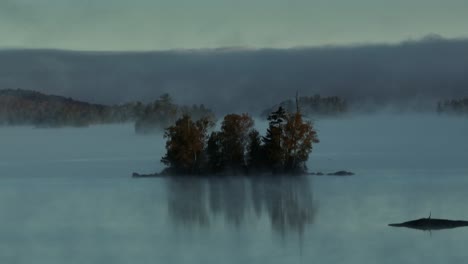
{"x": 66, "y": 196}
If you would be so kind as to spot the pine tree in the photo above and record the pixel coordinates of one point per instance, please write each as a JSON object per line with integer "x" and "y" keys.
{"x": 273, "y": 140}
{"x": 255, "y": 152}
{"x": 215, "y": 153}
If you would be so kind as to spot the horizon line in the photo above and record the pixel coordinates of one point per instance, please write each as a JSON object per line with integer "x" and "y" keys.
{"x": 428, "y": 38}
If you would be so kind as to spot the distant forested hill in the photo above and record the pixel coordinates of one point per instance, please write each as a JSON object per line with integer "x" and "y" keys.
{"x": 25, "y": 107}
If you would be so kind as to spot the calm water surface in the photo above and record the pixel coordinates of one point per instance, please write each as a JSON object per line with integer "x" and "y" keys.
{"x": 66, "y": 196}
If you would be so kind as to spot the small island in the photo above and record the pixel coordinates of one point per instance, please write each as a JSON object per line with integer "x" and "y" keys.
{"x": 194, "y": 149}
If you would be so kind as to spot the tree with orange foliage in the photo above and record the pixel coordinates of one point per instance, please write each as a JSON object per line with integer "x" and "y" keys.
{"x": 238, "y": 148}
{"x": 185, "y": 145}
{"x": 298, "y": 138}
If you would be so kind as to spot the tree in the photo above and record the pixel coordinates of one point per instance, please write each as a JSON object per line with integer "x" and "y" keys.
{"x": 255, "y": 152}
{"x": 237, "y": 147}
{"x": 273, "y": 140}
{"x": 298, "y": 137}
{"x": 185, "y": 145}
{"x": 215, "y": 153}
{"x": 234, "y": 133}
{"x": 288, "y": 141}
{"x": 157, "y": 115}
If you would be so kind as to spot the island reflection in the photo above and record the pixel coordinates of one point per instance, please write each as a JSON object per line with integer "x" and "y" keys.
{"x": 286, "y": 201}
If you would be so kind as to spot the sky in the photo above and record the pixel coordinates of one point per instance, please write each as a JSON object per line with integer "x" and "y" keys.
{"x": 122, "y": 25}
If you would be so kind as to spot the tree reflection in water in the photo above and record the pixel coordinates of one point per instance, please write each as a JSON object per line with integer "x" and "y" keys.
{"x": 286, "y": 201}
{"x": 186, "y": 201}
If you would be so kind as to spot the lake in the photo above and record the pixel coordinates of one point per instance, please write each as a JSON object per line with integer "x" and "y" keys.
{"x": 66, "y": 196}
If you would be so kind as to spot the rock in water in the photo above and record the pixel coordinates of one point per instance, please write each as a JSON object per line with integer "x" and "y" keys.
{"x": 341, "y": 173}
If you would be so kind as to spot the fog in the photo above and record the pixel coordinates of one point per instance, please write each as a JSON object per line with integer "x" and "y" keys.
{"x": 361, "y": 142}
{"x": 414, "y": 73}
{"x": 66, "y": 195}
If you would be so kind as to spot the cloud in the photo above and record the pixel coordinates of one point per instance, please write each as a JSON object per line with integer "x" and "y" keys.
{"x": 247, "y": 79}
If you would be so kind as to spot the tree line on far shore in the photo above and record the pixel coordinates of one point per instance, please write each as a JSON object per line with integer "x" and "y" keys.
{"x": 317, "y": 106}
{"x": 25, "y": 107}
{"x": 238, "y": 148}
{"x": 455, "y": 106}
{"x": 163, "y": 112}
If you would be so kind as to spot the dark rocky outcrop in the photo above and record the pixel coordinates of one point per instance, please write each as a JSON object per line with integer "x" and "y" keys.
{"x": 338, "y": 173}
{"x": 429, "y": 223}
{"x": 341, "y": 173}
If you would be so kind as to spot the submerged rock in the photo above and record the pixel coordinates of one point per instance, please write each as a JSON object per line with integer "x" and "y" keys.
{"x": 341, "y": 173}
{"x": 338, "y": 173}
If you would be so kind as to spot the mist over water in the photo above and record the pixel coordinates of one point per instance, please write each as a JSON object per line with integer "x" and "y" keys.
{"x": 425, "y": 142}
{"x": 66, "y": 196}
{"x": 411, "y": 74}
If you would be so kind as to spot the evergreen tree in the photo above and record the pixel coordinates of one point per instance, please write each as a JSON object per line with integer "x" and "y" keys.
{"x": 273, "y": 140}
{"x": 237, "y": 147}
{"x": 255, "y": 152}
{"x": 215, "y": 153}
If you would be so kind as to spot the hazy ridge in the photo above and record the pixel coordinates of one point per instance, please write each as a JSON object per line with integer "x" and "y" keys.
{"x": 411, "y": 73}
